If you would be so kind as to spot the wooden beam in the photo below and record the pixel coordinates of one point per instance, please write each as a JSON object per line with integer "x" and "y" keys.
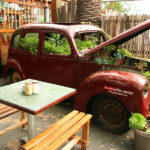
{"x": 7, "y": 30}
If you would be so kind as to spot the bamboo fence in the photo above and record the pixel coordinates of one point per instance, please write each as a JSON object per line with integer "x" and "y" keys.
{"x": 116, "y": 24}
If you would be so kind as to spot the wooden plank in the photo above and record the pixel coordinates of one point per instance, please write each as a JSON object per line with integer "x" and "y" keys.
{"x": 8, "y": 113}
{"x": 72, "y": 143}
{"x": 5, "y": 109}
{"x": 3, "y": 106}
{"x": 69, "y": 133}
{"x": 48, "y": 131}
{"x": 16, "y": 124}
{"x": 60, "y": 131}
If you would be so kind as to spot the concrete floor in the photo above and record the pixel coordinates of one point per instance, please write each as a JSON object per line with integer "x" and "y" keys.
{"x": 98, "y": 138}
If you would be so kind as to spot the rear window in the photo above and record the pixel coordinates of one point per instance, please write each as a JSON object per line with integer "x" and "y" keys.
{"x": 15, "y": 41}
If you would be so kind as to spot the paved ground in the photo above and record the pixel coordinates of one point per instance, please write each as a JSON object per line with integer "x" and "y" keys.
{"x": 98, "y": 138}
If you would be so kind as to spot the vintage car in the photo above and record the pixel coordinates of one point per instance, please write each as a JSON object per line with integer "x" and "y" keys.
{"x": 66, "y": 54}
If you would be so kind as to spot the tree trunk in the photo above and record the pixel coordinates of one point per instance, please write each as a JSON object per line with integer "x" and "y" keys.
{"x": 89, "y": 11}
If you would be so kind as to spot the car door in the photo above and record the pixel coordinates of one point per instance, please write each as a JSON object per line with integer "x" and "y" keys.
{"x": 28, "y": 54}
{"x": 58, "y": 61}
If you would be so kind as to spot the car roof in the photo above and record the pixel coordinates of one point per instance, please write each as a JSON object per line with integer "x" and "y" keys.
{"x": 71, "y": 29}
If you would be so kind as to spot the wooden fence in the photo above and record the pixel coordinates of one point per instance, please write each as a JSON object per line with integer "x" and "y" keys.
{"x": 113, "y": 24}
{"x": 116, "y": 24}
{"x": 67, "y": 11}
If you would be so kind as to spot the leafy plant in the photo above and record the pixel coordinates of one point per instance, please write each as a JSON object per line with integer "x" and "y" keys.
{"x": 111, "y": 55}
{"x": 30, "y": 43}
{"x": 146, "y": 74}
{"x": 81, "y": 45}
{"x": 57, "y": 46}
{"x": 137, "y": 121}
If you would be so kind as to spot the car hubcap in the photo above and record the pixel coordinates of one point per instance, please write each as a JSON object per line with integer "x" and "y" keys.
{"x": 112, "y": 114}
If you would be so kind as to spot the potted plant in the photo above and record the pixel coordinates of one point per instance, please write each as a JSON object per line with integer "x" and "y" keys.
{"x": 141, "y": 131}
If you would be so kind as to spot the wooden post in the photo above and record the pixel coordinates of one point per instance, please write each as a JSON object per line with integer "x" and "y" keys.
{"x": 54, "y": 10}
{"x": 23, "y": 117}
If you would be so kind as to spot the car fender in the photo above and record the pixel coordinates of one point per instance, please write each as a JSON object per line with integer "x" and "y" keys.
{"x": 13, "y": 64}
{"x": 126, "y": 87}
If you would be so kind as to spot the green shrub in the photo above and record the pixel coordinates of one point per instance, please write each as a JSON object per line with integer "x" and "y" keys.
{"x": 30, "y": 44}
{"x": 137, "y": 121}
{"x": 146, "y": 74}
{"x": 60, "y": 47}
{"x": 81, "y": 45}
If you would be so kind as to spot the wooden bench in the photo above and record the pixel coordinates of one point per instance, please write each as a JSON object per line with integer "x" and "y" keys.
{"x": 63, "y": 133}
{"x": 7, "y": 111}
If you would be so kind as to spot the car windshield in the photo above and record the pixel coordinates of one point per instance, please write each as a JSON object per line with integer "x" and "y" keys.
{"x": 88, "y": 40}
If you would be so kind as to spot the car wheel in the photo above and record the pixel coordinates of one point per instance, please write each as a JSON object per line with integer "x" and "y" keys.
{"x": 110, "y": 114}
{"x": 14, "y": 76}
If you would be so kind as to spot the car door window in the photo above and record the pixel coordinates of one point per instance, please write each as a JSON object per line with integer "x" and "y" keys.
{"x": 30, "y": 42}
{"x": 15, "y": 41}
{"x": 56, "y": 44}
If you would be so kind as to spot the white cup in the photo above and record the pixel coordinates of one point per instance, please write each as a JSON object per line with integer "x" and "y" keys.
{"x": 28, "y": 88}
{"x": 35, "y": 87}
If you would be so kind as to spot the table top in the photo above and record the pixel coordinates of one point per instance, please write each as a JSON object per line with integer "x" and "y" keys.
{"x": 49, "y": 95}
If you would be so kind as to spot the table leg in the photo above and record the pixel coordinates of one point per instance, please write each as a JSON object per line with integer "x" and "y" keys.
{"x": 31, "y": 126}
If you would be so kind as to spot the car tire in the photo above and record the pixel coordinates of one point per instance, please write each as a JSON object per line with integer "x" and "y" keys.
{"x": 14, "y": 76}
{"x": 110, "y": 114}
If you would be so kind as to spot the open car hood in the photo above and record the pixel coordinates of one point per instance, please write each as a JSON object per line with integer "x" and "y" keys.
{"x": 123, "y": 37}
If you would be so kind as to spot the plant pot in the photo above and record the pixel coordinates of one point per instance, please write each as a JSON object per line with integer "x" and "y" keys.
{"x": 141, "y": 140}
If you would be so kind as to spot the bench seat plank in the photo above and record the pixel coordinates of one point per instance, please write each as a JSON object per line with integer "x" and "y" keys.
{"x": 6, "y": 111}
{"x": 61, "y": 132}
{"x": 49, "y": 131}
{"x": 61, "y": 140}
{"x": 52, "y": 137}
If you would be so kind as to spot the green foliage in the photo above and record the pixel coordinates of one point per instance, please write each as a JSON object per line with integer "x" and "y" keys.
{"x": 105, "y": 60}
{"x": 137, "y": 121}
{"x": 111, "y": 55}
{"x": 57, "y": 47}
{"x": 81, "y": 45}
{"x": 30, "y": 43}
{"x": 146, "y": 74}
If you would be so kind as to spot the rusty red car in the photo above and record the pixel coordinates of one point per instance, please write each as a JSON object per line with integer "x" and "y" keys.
{"x": 65, "y": 54}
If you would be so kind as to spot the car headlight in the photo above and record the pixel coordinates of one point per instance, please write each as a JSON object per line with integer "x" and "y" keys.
{"x": 145, "y": 90}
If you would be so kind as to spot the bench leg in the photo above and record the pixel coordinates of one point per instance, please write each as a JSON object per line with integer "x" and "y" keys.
{"x": 23, "y": 116}
{"x": 85, "y": 134}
